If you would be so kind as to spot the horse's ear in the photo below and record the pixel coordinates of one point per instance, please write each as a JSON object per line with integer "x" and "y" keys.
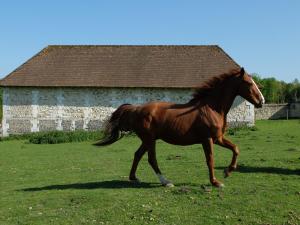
{"x": 242, "y": 73}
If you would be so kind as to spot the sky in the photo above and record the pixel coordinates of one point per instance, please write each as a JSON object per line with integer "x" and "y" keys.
{"x": 263, "y": 36}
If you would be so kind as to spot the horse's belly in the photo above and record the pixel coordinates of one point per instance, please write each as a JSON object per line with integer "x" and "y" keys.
{"x": 185, "y": 136}
{"x": 181, "y": 139}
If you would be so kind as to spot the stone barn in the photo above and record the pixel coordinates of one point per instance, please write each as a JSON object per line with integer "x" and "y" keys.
{"x": 78, "y": 87}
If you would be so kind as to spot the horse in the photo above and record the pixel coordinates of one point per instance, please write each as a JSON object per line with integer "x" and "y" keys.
{"x": 202, "y": 120}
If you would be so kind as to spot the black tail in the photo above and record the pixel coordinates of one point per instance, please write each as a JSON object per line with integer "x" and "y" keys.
{"x": 114, "y": 126}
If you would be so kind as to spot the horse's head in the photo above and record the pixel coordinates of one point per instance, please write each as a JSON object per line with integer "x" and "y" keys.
{"x": 249, "y": 90}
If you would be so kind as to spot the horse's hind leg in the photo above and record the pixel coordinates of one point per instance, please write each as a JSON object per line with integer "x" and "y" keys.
{"x": 153, "y": 162}
{"x": 137, "y": 157}
{"x": 235, "y": 152}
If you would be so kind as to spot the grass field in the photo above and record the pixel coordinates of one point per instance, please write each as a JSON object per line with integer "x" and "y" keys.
{"x": 78, "y": 183}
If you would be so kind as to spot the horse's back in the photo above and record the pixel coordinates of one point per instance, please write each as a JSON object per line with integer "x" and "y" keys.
{"x": 154, "y": 109}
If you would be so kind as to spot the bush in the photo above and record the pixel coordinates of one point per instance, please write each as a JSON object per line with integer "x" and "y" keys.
{"x": 17, "y": 137}
{"x": 56, "y": 137}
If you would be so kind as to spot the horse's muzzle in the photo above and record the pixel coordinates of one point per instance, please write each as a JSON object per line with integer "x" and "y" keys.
{"x": 259, "y": 105}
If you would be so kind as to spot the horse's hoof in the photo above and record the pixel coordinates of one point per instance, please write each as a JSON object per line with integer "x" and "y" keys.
{"x": 218, "y": 184}
{"x": 226, "y": 173}
{"x": 221, "y": 185}
{"x": 135, "y": 181}
{"x": 169, "y": 185}
{"x": 229, "y": 170}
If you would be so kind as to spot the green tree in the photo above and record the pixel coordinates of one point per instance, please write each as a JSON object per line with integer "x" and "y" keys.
{"x": 276, "y": 91}
{"x": 295, "y": 90}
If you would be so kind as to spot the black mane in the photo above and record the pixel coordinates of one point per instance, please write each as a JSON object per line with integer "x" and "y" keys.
{"x": 212, "y": 84}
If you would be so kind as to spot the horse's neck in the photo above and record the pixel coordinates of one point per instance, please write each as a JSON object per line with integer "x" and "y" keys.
{"x": 223, "y": 100}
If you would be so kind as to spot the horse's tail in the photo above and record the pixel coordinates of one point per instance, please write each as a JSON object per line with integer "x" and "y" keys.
{"x": 118, "y": 122}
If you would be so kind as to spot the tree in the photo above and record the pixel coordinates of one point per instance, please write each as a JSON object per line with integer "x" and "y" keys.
{"x": 276, "y": 91}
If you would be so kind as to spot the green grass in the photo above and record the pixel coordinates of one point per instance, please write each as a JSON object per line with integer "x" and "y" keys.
{"x": 77, "y": 183}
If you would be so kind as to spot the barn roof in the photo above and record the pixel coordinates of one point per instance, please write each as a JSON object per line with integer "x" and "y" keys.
{"x": 172, "y": 66}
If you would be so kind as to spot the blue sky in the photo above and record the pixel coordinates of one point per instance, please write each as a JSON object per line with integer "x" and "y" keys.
{"x": 261, "y": 35}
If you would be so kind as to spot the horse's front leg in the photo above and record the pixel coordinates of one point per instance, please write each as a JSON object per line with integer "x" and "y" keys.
{"x": 209, "y": 154}
{"x": 222, "y": 141}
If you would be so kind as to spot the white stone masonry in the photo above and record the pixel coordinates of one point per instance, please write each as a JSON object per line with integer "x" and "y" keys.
{"x": 44, "y": 109}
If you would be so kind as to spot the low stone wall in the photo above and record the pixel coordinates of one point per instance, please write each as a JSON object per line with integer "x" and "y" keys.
{"x": 43, "y": 109}
{"x": 278, "y": 111}
{"x": 294, "y": 110}
{"x": 271, "y": 111}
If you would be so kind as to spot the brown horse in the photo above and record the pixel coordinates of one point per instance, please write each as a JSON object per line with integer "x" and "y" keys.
{"x": 201, "y": 120}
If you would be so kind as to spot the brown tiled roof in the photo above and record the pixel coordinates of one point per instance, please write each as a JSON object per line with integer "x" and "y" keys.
{"x": 179, "y": 66}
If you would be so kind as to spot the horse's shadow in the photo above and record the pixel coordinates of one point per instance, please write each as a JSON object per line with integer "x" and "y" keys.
{"x": 120, "y": 184}
{"x": 269, "y": 170}
{"x": 112, "y": 184}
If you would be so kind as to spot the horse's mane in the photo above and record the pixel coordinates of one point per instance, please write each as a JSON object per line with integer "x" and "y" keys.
{"x": 213, "y": 83}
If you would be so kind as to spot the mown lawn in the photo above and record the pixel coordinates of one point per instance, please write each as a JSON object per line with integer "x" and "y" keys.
{"x": 78, "y": 183}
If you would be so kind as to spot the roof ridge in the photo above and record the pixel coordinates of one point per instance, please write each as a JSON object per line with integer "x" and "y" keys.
{"x": 129, "y": 45}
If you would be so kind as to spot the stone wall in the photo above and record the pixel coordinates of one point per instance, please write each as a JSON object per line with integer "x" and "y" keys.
{"x": 278, "y": 111}
{"x": 42, "y": 109}
{"x": 294, "y": 110}
{"x": 271, "y": 111}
